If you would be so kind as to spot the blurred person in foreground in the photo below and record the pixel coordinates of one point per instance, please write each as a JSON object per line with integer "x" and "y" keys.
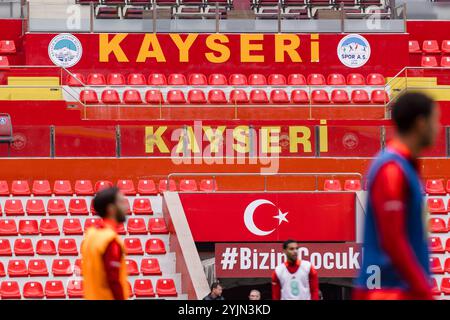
{"x": 103, "y": 252}
{"x": 254, "y": 295}
{"x": 294, "y": 279}
{"x": 216, "y": 292}
{"x": 395, "y": 256}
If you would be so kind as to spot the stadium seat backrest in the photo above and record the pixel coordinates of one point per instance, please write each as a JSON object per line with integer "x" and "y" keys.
{"x": 88, "y": 96}
{"x": 276, "y": 80}
{"x": 435, "y": 187}
{"x": 299, "y": 96}
{"x": 375, "y": 79}
{"x": 136, "y": 79}
{"x": 110, "y": 96}
{"x": 75, "y": 80}
{"x": 216, "y": 96}
{"x": 430, "y": 46}
{"x": 379, "y": 97}
{"x": 316, "y": 79}
{"x": 41, "y": 188}
{"x": 413, "y": 46}
{"x": 196, "y": 96}
{"x": 176, "y": 97}
{"x": 332, "y": 185}
{"x": 429, "y": 61}
{"x": 157, "y": 79}
{"x": 115, "y": 79}
{"x": 355, "y": 79}
{"x": 319, "y": 96}
{"x": 436, "y": 205}
{"x": 257, "y": 79}
{"x": 217, "y": 79}
{"x": 197, "y": 79}
{"x": 132, "y": 96}
{"x": 177, "y": 79}
{"x": 445, "y": 46}
{"x": 237, "y": 79}
{"x": 258, "y": 96}
{"x": 296, "y": 79}
{"x": 96, "y": 79}
{"x": 238, "y": 96}
{"x": 339, "y": 96}
{"x": 336, "y": 79}
{"x": 279, "y": 96}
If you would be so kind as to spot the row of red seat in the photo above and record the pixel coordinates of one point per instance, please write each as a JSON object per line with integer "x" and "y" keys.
{"x": 73, "y": 226}
{"x": 54, "y": 289}
{"x": 68, "y": 247}
{"x": 236, "y": 96}
{"x": 64, "y": 268}
{"x": 431, "y": 61}
{"x": 57, "y": 207}
{"x": 429, "y": 46}
{"x": 218, "y": 79}
{"x": 436, "y": 187}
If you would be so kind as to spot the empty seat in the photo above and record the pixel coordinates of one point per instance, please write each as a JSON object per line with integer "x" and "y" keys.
{"x": 92, "y": 222}
{"x": 360, "y": 97}
{"x": 436, "y": 245}
{"x": 48, "y": 227}
{"x": 175, "y": 97}
{"x": 102, "y": 184}
{"x": 435, "y": 187}
{"x": 133, "y": 246}
{"x": 75, "y": 80}
{"x": 20, "y": 188}
{"x": 136, "y": 226}
{"x": 142, "y": 206}
{"x": 375, "y": 79}
{"x": 17, "y": 268}
{"x": 445, "y": 286}
{"x": 216, "y": 96}
{"x": 136, "y": 79}
{"x": 110, "y": 97}
{"x": 8, "y": 227}
{"x": 355, "y": 79}
{"x": 435, "y": 265}
{"x": 299, "y": 96}
{"x": 62, "y": 188}
{"x": 143, "y": 288}
{"x": 126, "y": 186}
{"x": 157, "y": 79}
{"x": 33, "y": 290}
{"x": 238, "y": 96}
{"x": 340, "y": 96}
{"x": 61, "y": 268}
{"x": 157, "y": 226}
{"x": 150, "y": 267}
{"x": 336, "y": 79}
{"x": 258, "y": 96}
{"x": 14, "y": 207}
{"x": 28, "y": 227}
{"x": 445, "y": 46}
{"x": 84, "y": 188}
{"x": 352, "y": 185}
{"x": 276, "y": 80}
{"x": 166, "y": 288}
{"x": 429, "y": 61}
{"x": 78, "y": 206}
{"x": 4, "y": 189}
{"x": 208, "y": 185}
{"x": 188, "y": 185}
{"x": 132, "y": 96}
{"x": 56, "y": 207}
{"x": 23, "y": 247}
{"x": 437, "y": 225}
{"x": 115, "y": 79}
{"x": 430, "y": 46}
{"x": 445, "y": 61}
{"x": 96, "y": 79}
{"x": 5, "y": 247}
{"x": 436, "y": 205}
{"x": 7, "y": 47}
{"x": 4, "y": 62}
{"x": 413, "y": 46}
{"x": 237, "y": 79}
{"x": 10, "y": 290}
{"x": 155, "y": 246}
{"x": 146, "y": 187}
{"x": 72, "y": 227}
{"x": 332, "y": 185}
{"x": 167, "y": 185}
{"x": 75, "y": 289}
{"x": 54, "y": 289}
{"x": 132, "y": 267}
{"x": 89, "y": 96}
{"x": 37, "y": 268}
{"x": 67, "y": 247}
{"x": 196, "y": 96}
{"x": 257, "y": 79}
{"x": 41, "y": 188}
{"x": 316, "y": 79}
{"x": 217, "y": 79}
{"x": 197, "y": 79}
{"x": 177, "y": 79}
{"x": 296, "y": 79}
{"x": 46, "y": 247}
{"x": 379, "y": 97}
{"x": 154, "y": 97}
{"x": 319, "y": 96}
{"x": 279, "y": 96}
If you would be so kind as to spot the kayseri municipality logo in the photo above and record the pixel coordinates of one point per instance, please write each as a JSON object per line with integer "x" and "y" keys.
{"x": 353, "y": 50}
{"x": 65, "y": 50}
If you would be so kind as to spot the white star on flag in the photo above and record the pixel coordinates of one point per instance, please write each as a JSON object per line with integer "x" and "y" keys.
{"x": 281, "y": 217}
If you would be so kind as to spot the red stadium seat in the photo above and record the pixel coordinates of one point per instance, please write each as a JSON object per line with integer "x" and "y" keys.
{"x": 75, "y": 80}
{"x": 132, "y": 267}
{"x": 279, "y": 96}
{"x": 257, "y": 80}
{"x": 165, "y": 185}
{"x": 332, "y": 185}
{"x": 430, "y": 46}
{"x": 23, "y": 247}
{"x": 379, "y": 97}
{"x": 10, "y": 290}
{"x": 17, "y": 268}
{"x": 136, "y": 226}
{"x": 37, "y": 268}
{"x": 133, "y": 246}
{"x": 339, "y": 96}
{"x": 5, "y": 247}
{"x": 136, "y": 79}
{"x": 142, "y": 206}
{"x": 196, "y": 96}
{"x": 319, "y": 96}
{"x": 54, "y": 289}
{"x": 4, "y": 62}
{"x": 61, "y": 268}
{"x": 96, "y": 79}
{"x": 157, "y": 79}
{"x": 435, "y": 187}
{"x": 115, "y": 79}
{"x": 237, "y": 79}
{"x": 62, "y": 188}
{"x": 336, "y": 79}
{"x": 188, "y": 185}
{"x": 110, "y": 97}
{"x": 20, "y": 188}
{"x": 146, "y": 187}
{"x": 445, "y": 46}
{"x": 33, "y": 290}
{"x": 143, "y": 288}
{"x": 127, "y": 187}
{"x": 175, "y": 97}
{"x": 445, "y": 61}
{"x": 67, "y": 247}
{"x": 296, "y": 79}
{"x": 155, "y": 246}
{"x": 7, "y": 47}
{"x": 121, "y": 229}
{"x": 208, "y": 185}
{"x": 258, "y": 96}
{"x": 238, "y": 96}
{"x": 166, "y": 288}
{"x": 355, "y": 79}
{"x": 92, "y": 222}
{"x": 447, "y": 265}
{"x": 436, "y": 205}
{"x": 56, "y": 207}
{"x": 429, "y": 61}
{"x": 14, "y": 207}
{"x": 132, "y": 96}
{"x": 8, "y": 227}
{"x": 4, "y": 189}
{"x": 376, "y": 79}
{"x": 299, "y": 96}
{"x": 436, "y": 245}
{"x": 154, "y": 97}
{"x": 316, "y": 79}
{"x": 197, "y": 79}
{"x": 445, "y": 286}
{"x": 150, "y": 267}
{"x": 157, "y": 226}
{"x": 75, "y": 289}
{"x": 46, "y": 247}
{"x": 48, "y": 227}
{"x": 437, "y": 225}
{"x": 28, "y": 227}
{"x": 41, "y": 188}
{"x": 216, "y": 96}
{"x": 102, "y": 184}
{"x": 89, "y": 96}
{"x": 84, "y": 188}
{"x": 414, "y": 46}
{"x": 177, "y": 79}
{"x": 78, "y": 206}
{"x": 217, "y": 79}
{"x": 360, "y": 97}
{"x": 72, "y": 227}
{"x": 276, "y": 80}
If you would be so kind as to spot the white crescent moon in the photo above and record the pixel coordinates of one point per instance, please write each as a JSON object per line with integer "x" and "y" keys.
{"x": 248, "y": 217}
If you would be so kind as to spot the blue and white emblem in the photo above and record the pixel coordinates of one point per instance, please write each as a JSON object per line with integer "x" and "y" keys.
{"x": 65, "y": 50}
{"x": 353, "y": 51}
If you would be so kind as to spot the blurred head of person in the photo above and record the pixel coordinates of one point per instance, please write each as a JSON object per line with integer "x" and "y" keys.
{"x": 290, "y": 249}
{"x": 416, "y": 117}
{"x": 216, "y": 289}
{"x": 111, "y": 204}
{"x": 254, "y": 295}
